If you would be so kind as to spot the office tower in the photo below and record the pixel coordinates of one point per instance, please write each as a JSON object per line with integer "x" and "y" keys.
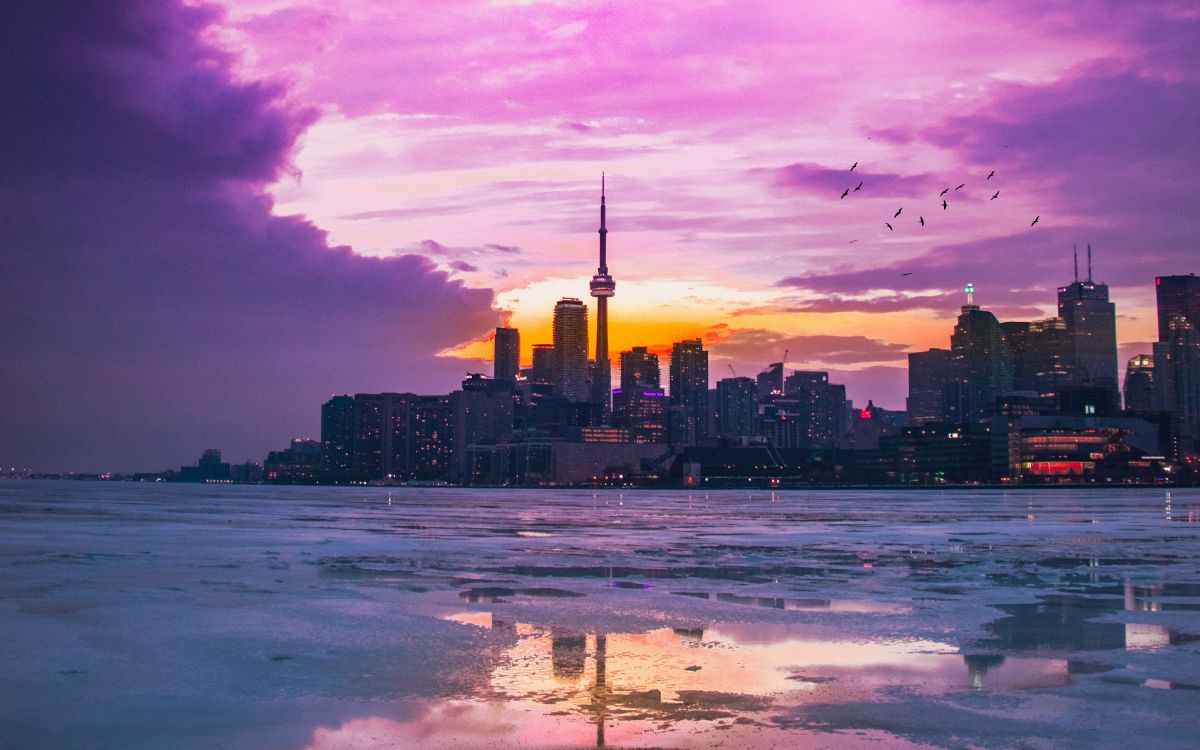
{"x": 640, "y": 368}
{"x": 337, "y": 439}
{"x": 571, "y": 350}
{"x": 602, "y": 287}
{"x": 542, "y": 370}
{"x": 1177, "y": 380}
{"x": 816, "y": 407}
{"x": 980, "y": 363}
{"x": 737, "y": 407}
{"x": 1092, "y": 330}
{"x": 770, "y": 381}
{"x": 1139, "y": 383}
{"x": 1016, "y": 332}
{"x": 506, "y": 361}
{"x": 689, "y": 391}
{"x": 483, "y": 415}
{"x": 928, "y": 374}
{"x": 643, "y": 411}
{"x": 1046, "y": 356}
{"x": 1177, "y": 296}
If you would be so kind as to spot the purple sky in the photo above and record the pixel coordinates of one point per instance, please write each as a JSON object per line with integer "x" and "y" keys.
{"x": 214, "y": 216}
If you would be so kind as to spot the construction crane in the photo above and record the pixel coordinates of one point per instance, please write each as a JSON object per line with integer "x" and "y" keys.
{"x": 731, "y": 370}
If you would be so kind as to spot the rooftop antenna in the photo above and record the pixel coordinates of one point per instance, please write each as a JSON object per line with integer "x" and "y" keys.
{"x": 970, "y": 290}
{"x": 1089, "y": 262}
{"x": 1075, "y": 252}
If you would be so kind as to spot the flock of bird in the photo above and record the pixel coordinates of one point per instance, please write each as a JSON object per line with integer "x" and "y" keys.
{"x": 920, "y": 218}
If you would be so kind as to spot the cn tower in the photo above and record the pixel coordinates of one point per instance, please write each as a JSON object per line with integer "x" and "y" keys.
{"x": 603, "y": 287}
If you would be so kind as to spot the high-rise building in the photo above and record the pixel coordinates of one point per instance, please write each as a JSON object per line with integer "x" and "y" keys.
{"x": 928, "y": 374}
{"x": 1177, "y": 381}
{"x": 816, "y": 406}
{"x": 1139, "y": 383}
{"x": 1177, "y": 296}
{"x": 689, "y": 391}
{"x": 643, "y": 411}
{"x": 571, "y": 350}
{"x": 980, "y": 361}
{"x": 483, "y": 415}
{"x": 337, "y": 439}
{"x": 1092, "y": 331}
{"x": 542, "y": 369}
{"x": 602, "y": 288}
{"x": 1046, "y": 358}
{"x": 770, "y": 381}
{"x": 737, "y": 407}
{"x": 506, "y": 361}
{"x": 639, "y": 367}
{"x": 1016, "y": 334}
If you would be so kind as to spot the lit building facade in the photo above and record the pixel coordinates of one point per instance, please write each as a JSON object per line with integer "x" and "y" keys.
{"x": 1177, "y": 296}
{"x": 1139, "y": 383}
{"x": 1091, "y": 322}
{"x": 689, "y": 392}
{"x": 737, "y": 407}
{"x": 570, "y": 376}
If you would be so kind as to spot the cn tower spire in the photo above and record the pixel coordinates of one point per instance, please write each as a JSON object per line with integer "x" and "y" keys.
{"x": 603, "y": 269}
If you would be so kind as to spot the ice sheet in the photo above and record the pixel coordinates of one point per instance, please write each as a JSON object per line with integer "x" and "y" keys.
{"x": 147, "y": 616}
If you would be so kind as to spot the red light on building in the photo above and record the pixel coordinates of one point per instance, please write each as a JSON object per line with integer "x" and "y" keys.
{"x": 864, "y": 414}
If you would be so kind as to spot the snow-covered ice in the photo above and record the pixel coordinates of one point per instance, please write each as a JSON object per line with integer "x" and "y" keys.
{"x": 177, "y": 616}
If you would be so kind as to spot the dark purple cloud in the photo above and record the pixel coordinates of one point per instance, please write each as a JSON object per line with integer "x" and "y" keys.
{"x": 816, "y": 179}
{"x": 152, "y": 305}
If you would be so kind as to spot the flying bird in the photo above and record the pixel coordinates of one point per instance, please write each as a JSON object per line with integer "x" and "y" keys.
{"x": 944, "y": 204}
{"x": 995, "y": 195}
{"x": 990, "y": 175}
{"x": 898, "y": 210}
{"x": 845, "y": 192}
{"x": 922, "y": 219}
{"x": 1035, "y": 220}
{"x": 858, "y": 187}
{"x": 907, "y": 274}
{"x": 943, "y": 192}
{"x": 889, "y": 226}
{"x": 852, "y": 166}
{"x": 851, "y": 242}
{"x": 960, "y": 187}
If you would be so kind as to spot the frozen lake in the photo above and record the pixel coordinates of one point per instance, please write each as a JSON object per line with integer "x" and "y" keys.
{"x": 177, "y": 616}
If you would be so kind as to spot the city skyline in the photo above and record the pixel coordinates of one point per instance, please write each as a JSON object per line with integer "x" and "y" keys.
{"x": 214, "y": 222}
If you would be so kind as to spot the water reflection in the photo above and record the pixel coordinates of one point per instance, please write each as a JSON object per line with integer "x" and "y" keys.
{"x": 1074, "y": 622}
{"x": 627, "y": 685}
